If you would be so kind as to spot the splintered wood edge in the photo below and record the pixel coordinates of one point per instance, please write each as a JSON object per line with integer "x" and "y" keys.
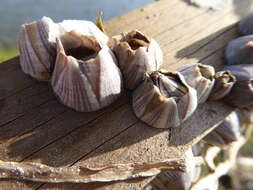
{"x": 84, "y": 174}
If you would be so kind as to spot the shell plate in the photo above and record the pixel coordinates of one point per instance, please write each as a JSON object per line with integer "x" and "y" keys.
{"x": 86, "y": 84}
{"x": 159, "y": 101}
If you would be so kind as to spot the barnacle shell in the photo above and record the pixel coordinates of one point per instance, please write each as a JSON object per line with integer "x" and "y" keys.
{"x": 227, "y": 132}
{"x": 137, "y": 54}
{"x": 240, "y": 51}
{"x": 83, "y": 27}
{"x": 36, "y": 45}
{"x": 224, "y": 81}
{"x": 164, "y": 100}
{"x": 86, "y": 77}
{"x": 246, "y": 25}
{"x": 229, "y": 129}
{"x": 200, "y": 77}
{"x": 241, "y": 94}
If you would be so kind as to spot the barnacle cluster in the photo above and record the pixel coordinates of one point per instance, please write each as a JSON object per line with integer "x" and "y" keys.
{"x": 87, "y": 74}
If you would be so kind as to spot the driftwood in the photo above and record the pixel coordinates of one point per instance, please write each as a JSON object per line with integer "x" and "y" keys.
{"x": 34, "y": 127}
{"x": 85, "y": 174}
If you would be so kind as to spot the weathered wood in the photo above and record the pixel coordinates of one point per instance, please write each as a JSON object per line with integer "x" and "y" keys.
{"x": 35, "y": 127}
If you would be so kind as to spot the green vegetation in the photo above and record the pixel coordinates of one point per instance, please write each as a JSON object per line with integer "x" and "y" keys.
{"x": 7, "y": 53}
{"x": 8, "y": 50}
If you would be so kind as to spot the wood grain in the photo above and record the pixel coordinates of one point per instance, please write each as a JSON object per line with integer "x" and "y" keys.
{"x": 35, "y": 127}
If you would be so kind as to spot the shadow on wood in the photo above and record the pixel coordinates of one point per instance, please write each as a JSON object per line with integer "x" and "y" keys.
{"x": 200, "y": 49}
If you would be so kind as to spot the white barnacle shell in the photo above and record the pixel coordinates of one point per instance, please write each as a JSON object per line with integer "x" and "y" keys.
{"x": 200, "y": 77}
{"x": 137, "y": 55}
{"x": 86, "y": 77}
{"x": 36, "y": 45}
{"x": 83, "y": 27}
{"x": 164, "y": 100}
{"x": 240, "y": 51}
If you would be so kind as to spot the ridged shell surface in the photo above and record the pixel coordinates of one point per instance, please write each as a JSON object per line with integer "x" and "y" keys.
{"x": 164, "y": 100}
{"x": 200, "y": 77}
{"x": 36, "y": 45}
{"x": 86, "y": 84}
{"x": 137, "y": 55}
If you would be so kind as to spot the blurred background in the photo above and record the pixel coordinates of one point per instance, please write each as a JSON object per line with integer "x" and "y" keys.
{"x": 13, "y": 13}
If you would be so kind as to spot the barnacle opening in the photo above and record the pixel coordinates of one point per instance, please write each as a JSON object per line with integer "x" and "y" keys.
{"x": 81, "y": 52}
{"x": 225, "y": 77}
{"x": 169, "y": 84}
{"x": 80, "y": 46}
{"x": 136, "y": 39}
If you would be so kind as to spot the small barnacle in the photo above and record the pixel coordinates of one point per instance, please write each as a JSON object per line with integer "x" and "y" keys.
{"x": 137, "y": 55}
{"x": 164, "y": 100}
{"x": 241, "y": 94}
{"x": 224, "y": 81}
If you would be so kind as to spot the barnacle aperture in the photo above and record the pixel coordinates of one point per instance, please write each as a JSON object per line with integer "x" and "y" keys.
{"x": 224, "y": 81}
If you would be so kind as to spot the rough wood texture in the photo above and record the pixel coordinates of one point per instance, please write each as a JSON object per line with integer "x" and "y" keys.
{"x": 35, "y": 127}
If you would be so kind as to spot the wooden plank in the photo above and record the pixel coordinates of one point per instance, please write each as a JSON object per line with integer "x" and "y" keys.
{"x": 57, "y": 140}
